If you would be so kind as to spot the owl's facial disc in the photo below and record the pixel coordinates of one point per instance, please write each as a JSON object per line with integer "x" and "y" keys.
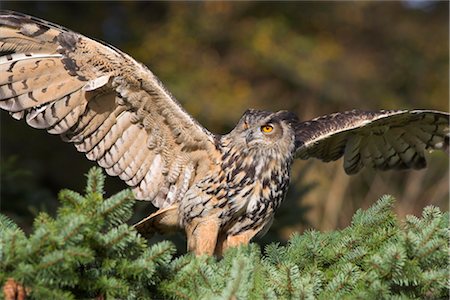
{"x": 264, "y": 130}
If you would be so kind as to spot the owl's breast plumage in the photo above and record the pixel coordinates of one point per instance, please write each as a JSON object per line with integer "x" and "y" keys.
{"x": 242, "y": 192}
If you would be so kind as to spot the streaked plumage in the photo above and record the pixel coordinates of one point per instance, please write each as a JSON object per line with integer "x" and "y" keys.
{"x": 221, "y": 190}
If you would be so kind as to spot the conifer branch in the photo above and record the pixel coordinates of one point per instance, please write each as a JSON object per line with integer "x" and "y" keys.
{"x": 88, "y": 251}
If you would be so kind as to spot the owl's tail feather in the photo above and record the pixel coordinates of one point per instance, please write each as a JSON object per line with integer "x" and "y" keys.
{"x": 165, "y": 220}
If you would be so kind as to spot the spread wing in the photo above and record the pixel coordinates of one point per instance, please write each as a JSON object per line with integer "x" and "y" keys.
{"x": 395, "y": 139}
{"x": 99, "y": 98}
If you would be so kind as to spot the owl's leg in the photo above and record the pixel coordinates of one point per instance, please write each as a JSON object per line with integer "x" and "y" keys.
{"x": 202, "y": 236}
{"x": 242, "y": 238}
{"x": 234, "y": 240}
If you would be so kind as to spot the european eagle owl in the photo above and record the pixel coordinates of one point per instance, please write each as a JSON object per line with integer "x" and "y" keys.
{"x": 222, "y": 190}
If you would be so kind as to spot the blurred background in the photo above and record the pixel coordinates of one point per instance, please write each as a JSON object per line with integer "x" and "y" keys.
{"x": 220, "y": 58}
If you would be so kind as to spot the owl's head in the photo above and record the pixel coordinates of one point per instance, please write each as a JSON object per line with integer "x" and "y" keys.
{"x": 265, "y": 130}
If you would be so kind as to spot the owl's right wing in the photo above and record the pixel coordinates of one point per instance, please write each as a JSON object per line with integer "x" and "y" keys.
{"x": 393, "y": 139}
{"x": 110, "y": 106}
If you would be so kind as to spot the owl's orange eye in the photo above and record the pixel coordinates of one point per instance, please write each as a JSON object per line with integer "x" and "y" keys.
{"x": 267, "y": 128}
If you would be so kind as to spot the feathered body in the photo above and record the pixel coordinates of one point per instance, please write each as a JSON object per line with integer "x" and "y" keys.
{"x": 221, "y": 190}
{"x": 244, "y": 190}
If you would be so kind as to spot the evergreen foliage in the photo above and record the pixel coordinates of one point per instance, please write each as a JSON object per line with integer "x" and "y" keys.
{"x": 85, "y": 252}
{"x": 88, "y": 250}
{"x": 374, "y": 258}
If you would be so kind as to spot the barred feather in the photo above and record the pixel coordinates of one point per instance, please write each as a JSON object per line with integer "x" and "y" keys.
{"x": 395, "y": 139}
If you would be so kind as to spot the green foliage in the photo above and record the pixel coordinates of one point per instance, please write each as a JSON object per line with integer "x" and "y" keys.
{"x": 374, "y": 258}
{"x": 88, "y": 250}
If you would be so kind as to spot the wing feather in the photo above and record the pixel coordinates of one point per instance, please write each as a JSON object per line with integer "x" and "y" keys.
{"x": 120, "y": 125}
{"x": 135, "y": 165}
{"x": 126, "y": 153}
{"x": 68, "y": 121}
{"x": 48, "y": 115}
{"x": 121, "y": 146}
{"x": 99, "y": 109}
{"x": 396, "y": 139}
{"x": 110, "y": 106}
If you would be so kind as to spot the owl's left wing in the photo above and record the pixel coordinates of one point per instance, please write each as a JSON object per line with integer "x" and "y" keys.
{"x": 107, "y": 104}
{"x": 394, "y": 139}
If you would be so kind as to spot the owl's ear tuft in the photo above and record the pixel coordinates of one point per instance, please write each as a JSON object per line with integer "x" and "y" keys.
{"x": 250, "y": 115}
{"x": 256, "y": 113}
{"x": 288, "y": 116}
{"x": 248, "y": 111}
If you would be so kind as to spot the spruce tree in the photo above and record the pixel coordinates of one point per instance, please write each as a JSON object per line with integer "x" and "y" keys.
{"x": 86, "y": 251}
{"x": 89, "y": 251}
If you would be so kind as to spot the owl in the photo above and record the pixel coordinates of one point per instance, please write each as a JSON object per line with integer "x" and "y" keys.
{"x": 221, "y": 190}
